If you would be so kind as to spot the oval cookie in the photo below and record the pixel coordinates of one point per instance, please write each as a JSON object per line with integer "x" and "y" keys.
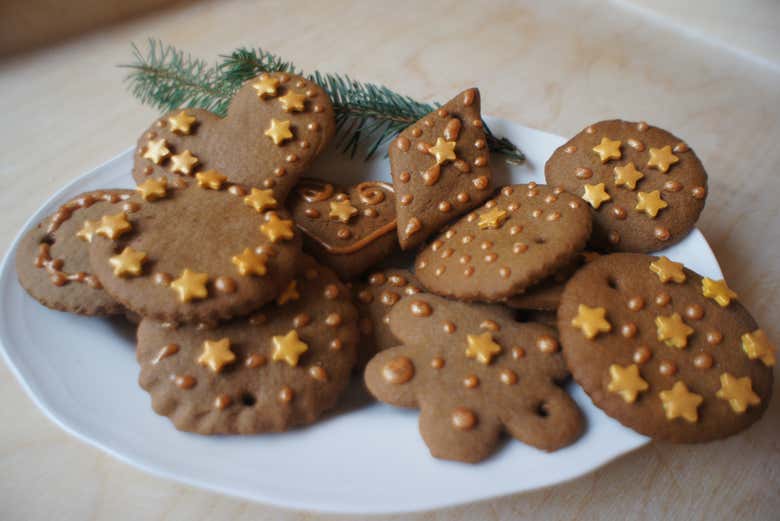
{"x": 666, "y": 352}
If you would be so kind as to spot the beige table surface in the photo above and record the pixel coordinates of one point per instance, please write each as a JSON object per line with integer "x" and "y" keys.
{"x": 555, "y": 66}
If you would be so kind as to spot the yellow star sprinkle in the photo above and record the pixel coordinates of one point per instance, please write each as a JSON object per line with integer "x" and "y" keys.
{"x": 156, "y": 151}
{"x": 662, "y": 158}
{"x": 182, "y": 122}
{"x": 627, "y": 175}
{"x": 290, "y": 293}
{"x": 591, "y": 321}
{"x": 277, "y": 229}
{"x": 443, "y": 151}
{"x": 757, "y": 345}
{"x": 608, "y": 149}
{"x": 679, "y": 402}
{"x": 210, "y": 179}
{"x": 266, "y": 86}
{"x": 129, "y": 262}
{"x": 482, "y": 347}
{"x": 293, "y": 102}
{"x": 288, "y": 348}
{"x": 216, "y": 354}
{"x": 183, "y": 163}
{"x": 279, "y": 131}
{"x": 342, "y": 210}
{"x": 718, "y": 291}
{"x": 112, "y": 226}
{"x": 595, "y": 195}
{"x": 738, "y": 392}
{"x": 668, "y": 270}
{"x": 153, "y": 189}
{"x": 672, "y": 331}
{"x": 88, "y": 230}
{"x": 250, "y": 262}
{"x": 626, "y": 382}
{"x": 650, "y": 203}
{"x": 190, "y": 285}
{"x": 492, "y": 219}
{"x": 260, "y": 200}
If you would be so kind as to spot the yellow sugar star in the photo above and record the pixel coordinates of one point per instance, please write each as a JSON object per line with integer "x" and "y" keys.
{"x": 216, "y": 354}
{"x": 591, "y": 321}
{"x": 182, "y": 122}
{"x": 88, "y": 230}
{"x": 626, "y": 382}
{"x": 342, "y": 210}
{"x": 738, "y": 392}
{"x": 260, "y": 200}
{"x": 672, "y": 331}
{"x": 113, "y": 226}
{"x": 482, "y": 347}
{"x": 650, "y": 203}
{"x": 627, "y": 175}
{"x": 266, "y": 86}
{"x": 183, "y": 163}
{"x": 608, "y": 149}
{"x": 668, "y": 270}
{"x": 443, "y": 151}
{"x": 492, "y": 219}
{"x": 249, "y": 262}
{"x": 679, "y": 402}
{"x": 279, "y": 131}
{"x": 290, "y": 293}
{"x": 210, "y": 179}
{"x": 662, "y": 158}
{"x": 128, "y": 263}
{"x": 190, "y": 285}
{"x": 153, "y": 189}
{"x": 156, "y": 151}
{"x": 288, "y": 348}
{"x": 293, "y": 102}
{"x": 595, "y": 195}
{"x": 718, "y": 291}
{"x": 277, "y": 229}
{"x": 757, "y": 345}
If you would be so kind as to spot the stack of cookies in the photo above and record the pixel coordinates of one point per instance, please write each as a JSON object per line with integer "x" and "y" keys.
{"x": 258, "y": 296}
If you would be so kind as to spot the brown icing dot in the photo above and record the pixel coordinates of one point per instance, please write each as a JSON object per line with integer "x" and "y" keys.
{"x": 518, "y": 352}
{"x": 467, "y": 239}
{"x": 628, "y": 330}
{"x": 490, "y": 325}
{"x": 667, "y": 368}
{"x": 590, "y": 130}
{"x": 398, "y": 371}
{"x": 291, "y": 158}
{"x": 184, "y": 381}
{"x": 313, "y": 126}
{"x": 662, "y": 298}
{"x": 672, "y": 186}
{"x": 255, "y": 360}
{"x": 336, "y": 344}
{"x": 333, "y": 320}
{"x": 225, "y": 285}
{"x": 613, "y": 237}
{"x": 641, "y": 126}
{"x": 547, "y": 344}
{"x": 619, "y": 212}
{"x": 344, "y": 233}
{"x": 642, "y": 355}
{"x": 318, "y": 373}
{"x": 570, "y": 149}
{"x": 312, "y": 213}
{"x": 486, "y": 245}
{"x": 422, "y": 264}
{"x": 550, "y": 199}
{"x": 405, "y": 176}
{"x": 416, "y": 132}
{"x": 269, "y": 183}
{"x": 507, "y": 376}
{"x": 462, "y": 197}
{"x": 491, "y": 257}
{"x": 694, "y": 312}
{"x": 680, "y": 147}
{"x": 450, "y": 234}
{"x": 279, "y": 171}
{"x": 698, "y": 192}
{"x": 406, "y": 199}
{"x": 389, "y": 298}
{"x": 472, "y": 217}
{"x": 661, "y": 233}
{"x": 437, "y": 362}
{"x": 636, "y": 303}
{"x": 448, "y": 327}
{"x": 515, "y": 229}
{"x": 162, "y": 279}
{"x": 420, "y": 308}
{"x": 148, "y": 170}
{"x": 318, "y": 108}
{"x": 714, "y": 337}
{"x": 703, "y": 361}
{"x": 370, "y": 212}
{"x": 442, "y": 113}
{"x": 471, "y": 381}
{"x": 301, "y": 319}
{"x": 403, "y": 143}
{"x": 222, "y": 401}
{"x": 463, "y": 419}
{"x": 519, "y": 247}
{"x": 165, "y": 352}
{"x": 398, "y": 281}
{"x": 236, "y": 190}
{"x": 469, "y": 271}
{"x": 553, "y": 216}
{"x": 504, "y": 272}
{"x": 477, "y": 123}
{"x": 331, "y": 291}
{"x": 481, "y": 182}
{"x": 636, "y": 144}
{"x": 377, "y": 279}
{"x": 491, "y": 204}
{"x": 583, "y": 173}
{"x": 285, "y": 394}
{"x": 411, "y": 290}
{"x": 440, "y": 271}
{"x": 447, "y": 253}
{"x": 444, "y": 206}
{"x": 574, "y": 204}
{"x": 480, "y": 144}
{"x": 532, "y": 191}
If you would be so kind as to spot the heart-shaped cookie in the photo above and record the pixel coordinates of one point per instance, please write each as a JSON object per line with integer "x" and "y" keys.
{"x": 275, "y": 125}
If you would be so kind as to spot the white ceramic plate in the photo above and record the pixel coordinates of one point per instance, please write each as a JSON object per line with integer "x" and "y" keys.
{"x": 362, "y": 459}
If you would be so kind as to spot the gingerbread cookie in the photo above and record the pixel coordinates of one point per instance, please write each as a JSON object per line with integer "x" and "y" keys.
{"x": 275, "y": 125}
{"x": 545, "y": 295}
{"x": 517, "y": 239}
{"x": 283, "y": 366}
{"x": 645, "y": 186}
{"x": 52, "y": 260}
{"x": 440, "y": 168}
{"x": 664, "y": 351}
{"x": 348, "y": 230}
{"x": 473, "y": 372}
{"x": 208, "y": 251}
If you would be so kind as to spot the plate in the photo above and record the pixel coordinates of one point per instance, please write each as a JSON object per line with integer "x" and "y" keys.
{"x": 363, "y": 458}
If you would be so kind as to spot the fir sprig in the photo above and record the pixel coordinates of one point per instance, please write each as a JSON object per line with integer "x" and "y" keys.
{"x": 366, "y": 114}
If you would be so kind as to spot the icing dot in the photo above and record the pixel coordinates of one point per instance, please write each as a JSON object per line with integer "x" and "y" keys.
{"x": 463, "y": 419}
{"x": 465, "y": 259}
{"x": 507, "y": 376}
{"x": 301, "y": 320}
{"x": 285, "y": 394}
{"x": 445, "y": 206}
{"x": 662, "y": 298}
{"x": 416, "y": 132}
{"x": 442, "y": 113}
{"x": 694, "y": 312}
{"x": 447, "y": 253}
{"x": 642, "y": 355}
{"x": 550, "y": 199}
{"x": 613, "y": 237}
{"x": 403, "y": 143}
{"x": 511, "y": 207}
{"x": 404, "y": 177}
{"x": 490, "y": 257}
{"x": 333, "y": 320}
{"x": 448, "y": 327}
{"x": 667, "y": 368}
{"x": 553, "y": 216}
{"x": 467, "y": 239}
{"x": 583, "y": 173}
{"x": 547, "y": 344}
{"x": 435, "y": 245}
{"x": 481, "y": 182}
{"x": 225, "y": 285}
{"x": 370, "y": 212}
{"x": 398, "y": 281}
{"x": 636, "y": 144}
{"x": 462, "y": 197}
{"x": 469, "y": 271}
{"x": 570, "y": 149}
{"x": 698, "y": 192}
{"x": 406, "y": 199}
{"x": 636, "y": 303}
{"x": 590, "y": 130}
{"x": 336, "y": 344}
{"x": 279, "y": 171}
{"x": 641, "y": 126}
{"x": 184, "y": 381}
{"x": 313, "y": 126}
{"x": 661, "y": 233}
{"x": 680, "y": 147}
{"x": 518, "y": 352}
{"x": 491, "y": 204}
{"x": 515, "y": 229}
{"x": 486, "y": 245}
{"x": 437, "y": 362}
{"x": 574, "y": 204}
{"x": 519, "y": 247}
{"x": 398, "y": 371}
{"x": 702, "y": 361}
{"x": 162, "y": 279}
{"x": 440, "y": 270}
{"x": 490, "y": 325}
{"x": 420, "y": 308}
{"x": 618, "y": 212}
{"x": 222, "y": 401}
{"x": 312, "y": 212}
{"x": 389, "y": 298}
{"x": 628, "y": 330}
{"x": 344, "y": 233}
{"x": 714, "y": 337}
{"x": 504, "y": 272}
{"x": 672, "y": 186}
{"x": 471, "y": 381}
{"x": 450, "y": 234}
{"x": 331, "y": 291}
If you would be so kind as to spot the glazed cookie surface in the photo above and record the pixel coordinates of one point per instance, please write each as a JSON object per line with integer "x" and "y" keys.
{"x": 347, "y": 229}
{"x": 513, "y": 241}
{"x": 204, "y": 252}
{"x": 275, "y": 126}
{"x": 440, "y": 168}
{"x": 664, "y": 351}
{"x": 474, "y": 373}
{"x": 645, "y": 186}
{"x": 281, "y": 367}
{"x": 52, "y": 261}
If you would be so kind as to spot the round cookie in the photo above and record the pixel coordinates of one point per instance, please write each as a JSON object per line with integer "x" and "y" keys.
{"x": 474, "y": 372}
{"x": 517, "y": 239}
{"x": 282, "y": 367}
{"x": 664, "y": 351}
{"x": 204, "y": 252}
{"x": 645, "y": 186}
{"x": 52, "y": 260}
